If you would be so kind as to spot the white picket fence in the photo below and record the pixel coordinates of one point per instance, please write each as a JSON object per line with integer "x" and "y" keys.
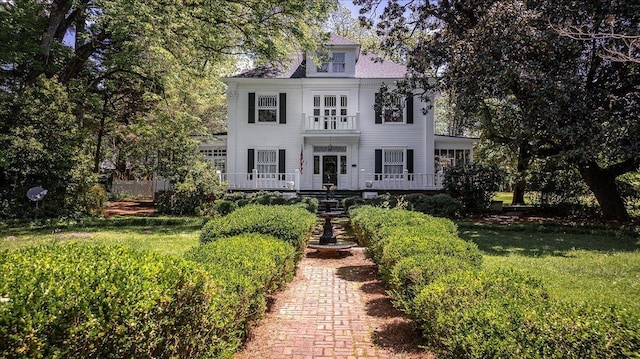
{"x": 141, "y": 189}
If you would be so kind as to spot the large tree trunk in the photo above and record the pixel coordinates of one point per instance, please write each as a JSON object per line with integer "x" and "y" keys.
{"x": 97, "y": 156}
{"x": 519, "y": 186}
{"x": 603, "y": 185}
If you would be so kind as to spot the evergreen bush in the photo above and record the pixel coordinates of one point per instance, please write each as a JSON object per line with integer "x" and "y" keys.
{"x": 74, "y": 301}
{"x": 246, "y": 268}
{"x": 291, "y": 224}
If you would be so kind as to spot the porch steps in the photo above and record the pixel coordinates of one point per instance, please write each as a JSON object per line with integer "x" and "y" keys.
{"x": 337, "y": 194}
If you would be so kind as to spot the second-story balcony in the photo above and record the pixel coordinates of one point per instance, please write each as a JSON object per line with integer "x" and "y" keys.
{"x": 331, "y": 123}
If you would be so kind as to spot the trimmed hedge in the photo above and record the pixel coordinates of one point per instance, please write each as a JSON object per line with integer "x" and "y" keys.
{"x": 440, "y": 205}
{"x": 246, "y": 268}
{"x": 79, "y": 301}
{"x": 476, "y": 314}
{"x": 465, "y": 312}
{"x": 292, "y": 224}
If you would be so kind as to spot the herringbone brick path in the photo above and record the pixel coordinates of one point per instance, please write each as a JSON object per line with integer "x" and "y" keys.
{"x": 335, "y": 308}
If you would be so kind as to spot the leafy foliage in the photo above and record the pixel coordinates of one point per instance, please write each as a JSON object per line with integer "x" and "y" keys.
{"x": 291, "y": 224}
{"x": 524, "y": 84}
{"x": 95, "y": 301}
{"x": 473, "y": 184}
{"x": 464, "y": 311}
{"x": 41, "y": 146}
{"x": 140, "y": 76}
{"x": 197, "y": 186}
{"x": 246, "y": 268}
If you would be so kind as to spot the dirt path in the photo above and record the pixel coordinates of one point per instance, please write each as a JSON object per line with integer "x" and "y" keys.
{"x": 334, "y": 308}
{"x": 141, "y": 207}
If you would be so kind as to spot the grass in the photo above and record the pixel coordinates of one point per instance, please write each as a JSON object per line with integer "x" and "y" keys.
{"x": 505, "y": 197}
{"x": 168, "y": 235}
{"x": 596, "y": 265}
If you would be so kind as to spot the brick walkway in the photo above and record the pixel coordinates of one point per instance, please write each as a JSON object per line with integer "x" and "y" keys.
{"x": 334, "y": 308}
{"x": 320, "y": 316}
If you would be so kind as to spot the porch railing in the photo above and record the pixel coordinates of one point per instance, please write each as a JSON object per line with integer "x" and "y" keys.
{"x": 368, "y": 181}
{"x": 267, "y": 181}
{"x": 404, "y": 181}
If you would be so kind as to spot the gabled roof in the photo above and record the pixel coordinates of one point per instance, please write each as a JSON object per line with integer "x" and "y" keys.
{"x": 368, "y": 67}
{"x": 337, "y": 40}
{"x": 372, "y": 66}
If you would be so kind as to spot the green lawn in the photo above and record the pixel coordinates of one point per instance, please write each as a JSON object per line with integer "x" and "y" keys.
{"x": 575, "y": 264}
{"x": 168, "y": 235}
{"x": 505, "y": 197}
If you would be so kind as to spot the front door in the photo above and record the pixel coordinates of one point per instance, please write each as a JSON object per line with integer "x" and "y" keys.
{"x": 330, "y": 170}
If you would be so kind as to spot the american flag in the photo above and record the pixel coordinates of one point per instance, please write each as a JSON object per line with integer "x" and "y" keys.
{"x": 301, "y": 159}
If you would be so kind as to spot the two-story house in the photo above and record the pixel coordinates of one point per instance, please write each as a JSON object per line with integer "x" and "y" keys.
{"x": 314, "y": 123}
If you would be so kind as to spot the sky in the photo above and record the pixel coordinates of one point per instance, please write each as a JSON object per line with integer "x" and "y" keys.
{"x": 354, "y": 9}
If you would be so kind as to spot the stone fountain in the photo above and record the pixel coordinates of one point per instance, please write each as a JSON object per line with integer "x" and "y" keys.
{"x": 328, "y": 241}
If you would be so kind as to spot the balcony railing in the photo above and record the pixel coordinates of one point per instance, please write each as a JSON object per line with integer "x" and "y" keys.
{"x": 331, "y": 123}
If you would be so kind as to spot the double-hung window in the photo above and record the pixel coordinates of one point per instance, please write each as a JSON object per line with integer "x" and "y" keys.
{"x": 394, "y": 112}
{"x": 334, "y": 62}
{"x": 393, "y": 161}
{"x": 267, "y": 161}
{"x": 393, "y": 109}
{"x": 338, "y": 63}
{"x": 267, "y": 106}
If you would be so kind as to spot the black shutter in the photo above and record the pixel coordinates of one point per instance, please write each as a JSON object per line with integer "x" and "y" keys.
{"x": 283, "y": 108}
{"x": 378, "y": 168}
{"x": 409, "y": 161}
{"x": 378, "y": 109}
{"x": 251, "y": 159}
{"x": 410, "y": 108}
{"x": 281, "y": 158}
{"x": 252, "y": 107}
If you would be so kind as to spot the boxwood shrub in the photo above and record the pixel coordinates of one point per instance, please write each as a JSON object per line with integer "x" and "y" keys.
{"x": 413, "y": 273}
{"x": 478, "y": 314}
{"x": 246, "y": 268}
{"x": 466, "y": 312}
{"x": 74, "y": 301}
{"x": 292, "y": 224}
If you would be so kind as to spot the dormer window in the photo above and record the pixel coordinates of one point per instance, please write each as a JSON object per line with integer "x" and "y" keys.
{"x": 334, "y": 62}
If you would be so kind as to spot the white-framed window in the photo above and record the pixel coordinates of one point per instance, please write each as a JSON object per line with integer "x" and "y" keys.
{"x": 395, "y": 112}
{"x": 393, "y": 161}
{"x": 267, "y": 107}
{"x": 217, "y": 157}
{"x": 445, "y": 158}
{"x": 338, "y": 63}
{"x": 334, "y": 62}
{"x": 267, "y": 161}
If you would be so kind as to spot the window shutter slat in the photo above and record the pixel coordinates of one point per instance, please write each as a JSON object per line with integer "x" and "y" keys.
{"x": 281, "y": 159}
{"x": 410, "y": 109}
{"x": 251, "y": 158}
{"x": 283, "y": 108}
{"x": 252, "y": 107}
{"x": 378, "y": 109}
{"x": 409, "y": 161}
{"x": 378, "y": 168}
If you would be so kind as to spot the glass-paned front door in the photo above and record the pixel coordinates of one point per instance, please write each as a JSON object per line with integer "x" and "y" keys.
{"x": 330, "y": 169}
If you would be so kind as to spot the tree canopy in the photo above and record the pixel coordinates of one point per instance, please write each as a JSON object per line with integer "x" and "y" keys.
{"x": 140, "y": 76}
{"x": 526, "y": 84}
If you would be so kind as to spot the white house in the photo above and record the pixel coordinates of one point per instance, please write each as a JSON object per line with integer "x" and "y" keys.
{"x": 312, "y": 124}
